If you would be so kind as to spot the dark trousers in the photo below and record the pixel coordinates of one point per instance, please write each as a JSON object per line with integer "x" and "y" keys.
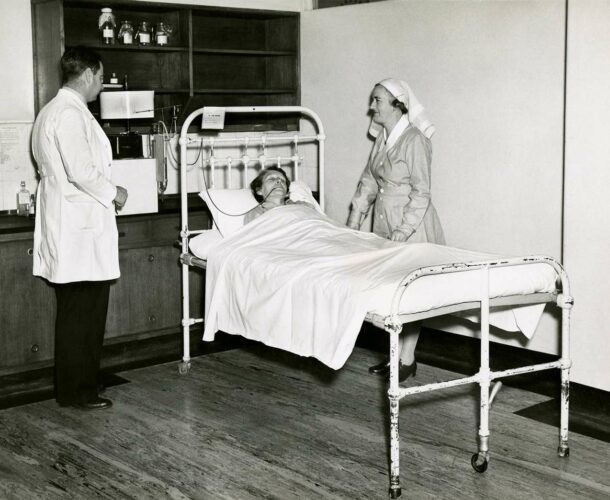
{"x": 79, "y": 333}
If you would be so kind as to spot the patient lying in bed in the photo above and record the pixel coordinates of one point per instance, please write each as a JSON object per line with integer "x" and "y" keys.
{"x": 272, "y": 189}
{"x": 297, "y": 280}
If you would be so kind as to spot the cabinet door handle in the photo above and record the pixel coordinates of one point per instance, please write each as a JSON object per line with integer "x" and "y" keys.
{"x": 34, "y": 348}
{"x": 151, "y": 257}
{"x": 30, "y": 251}
{"x": 152, "y": 318}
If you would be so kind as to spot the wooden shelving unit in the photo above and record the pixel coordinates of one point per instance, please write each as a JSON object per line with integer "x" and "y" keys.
{"x": 215, "y": 56}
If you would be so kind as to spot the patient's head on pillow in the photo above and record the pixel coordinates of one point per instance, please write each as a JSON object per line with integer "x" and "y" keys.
{"x": 270, "y": 184}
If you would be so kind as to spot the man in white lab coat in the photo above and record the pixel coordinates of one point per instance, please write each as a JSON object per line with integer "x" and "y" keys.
{"x": 75, "y": 237}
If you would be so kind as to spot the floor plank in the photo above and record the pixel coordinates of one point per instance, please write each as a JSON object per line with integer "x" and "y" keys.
{"x": 258, "y": 423}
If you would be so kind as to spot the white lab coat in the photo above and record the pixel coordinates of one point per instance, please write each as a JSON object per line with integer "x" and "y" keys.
{"x": 75, "y": 237}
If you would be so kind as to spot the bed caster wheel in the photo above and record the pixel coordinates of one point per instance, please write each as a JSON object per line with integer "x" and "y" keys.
{"x": 395, "y": 492}
{"x": 184, "y": 367}
{"x": 480, "y": 465}
{"x": 563, "y": 451}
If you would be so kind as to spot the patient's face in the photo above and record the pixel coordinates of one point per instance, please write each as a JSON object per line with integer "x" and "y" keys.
{"x": 274, "y": 186}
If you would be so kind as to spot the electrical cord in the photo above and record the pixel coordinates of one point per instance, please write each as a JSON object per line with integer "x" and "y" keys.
{"x": 205, "y": 185}
{"x": 173, "y": 160}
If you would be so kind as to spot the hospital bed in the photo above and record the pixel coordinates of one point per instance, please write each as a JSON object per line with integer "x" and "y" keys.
{"x": 490, "y": 287}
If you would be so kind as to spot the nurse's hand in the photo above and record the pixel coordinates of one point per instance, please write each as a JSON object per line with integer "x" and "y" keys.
{"x": 398, "y": 235}
{"x": 121, "y": 198}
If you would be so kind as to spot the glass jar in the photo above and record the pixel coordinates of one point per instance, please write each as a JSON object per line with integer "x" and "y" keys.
{"x": 162, "y": 34}
{"x": 106, "y": 24}
{"x": 143, "y": 34}
{"x": 126, "y": 33}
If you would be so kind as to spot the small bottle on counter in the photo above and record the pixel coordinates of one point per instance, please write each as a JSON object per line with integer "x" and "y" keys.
{"x": 23, "y": 200}
{"x": 32, "y": 208}
{"x": 113, "y": 79}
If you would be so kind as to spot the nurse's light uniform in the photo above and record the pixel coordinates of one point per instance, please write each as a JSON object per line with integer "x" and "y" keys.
{"x": 397, "y": 181}
{"x": 75, "y": 238}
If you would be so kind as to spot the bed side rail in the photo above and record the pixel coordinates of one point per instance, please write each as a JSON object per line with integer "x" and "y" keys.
{"x": 563, "y": 284}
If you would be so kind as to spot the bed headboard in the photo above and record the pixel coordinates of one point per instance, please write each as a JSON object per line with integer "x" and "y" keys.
{"x": 254, "y": 152}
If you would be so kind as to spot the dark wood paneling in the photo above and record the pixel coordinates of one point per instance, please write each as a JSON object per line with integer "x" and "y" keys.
{"x": 48, "y": 45}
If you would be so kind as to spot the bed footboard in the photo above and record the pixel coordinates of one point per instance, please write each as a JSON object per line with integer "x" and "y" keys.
{"x": 393, "y": 324}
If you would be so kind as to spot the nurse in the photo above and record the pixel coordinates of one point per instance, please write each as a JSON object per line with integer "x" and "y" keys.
{"x": 396, "y": 183}
{"x": 75, "y": 236}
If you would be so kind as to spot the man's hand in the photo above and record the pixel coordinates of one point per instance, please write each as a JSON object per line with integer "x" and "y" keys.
{"x": 121, "y": 198}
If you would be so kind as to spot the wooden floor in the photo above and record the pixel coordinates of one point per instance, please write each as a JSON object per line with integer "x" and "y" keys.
{"x": 256, "y": 423}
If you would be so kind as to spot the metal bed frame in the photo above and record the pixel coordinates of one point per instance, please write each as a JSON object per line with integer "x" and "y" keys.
{"x": 393, "y": 323}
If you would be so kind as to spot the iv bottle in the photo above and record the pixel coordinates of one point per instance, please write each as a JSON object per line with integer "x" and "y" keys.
{"x": 126, "y": 33}
{"x": 107, "y": 25}
{"x": 161, "y": 34}
{"x": 143, "y": 34}
{"x": 23, "y": 200}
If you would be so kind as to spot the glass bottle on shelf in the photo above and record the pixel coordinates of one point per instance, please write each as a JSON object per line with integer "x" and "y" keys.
{"x": 23, "y": 200}
{"x": 162, "y": 34}
{"x": 143, "y": 34}
{"x": 126, "y": 33}
{"x": 32, "y": 207}
{"x": 107, "y": 25}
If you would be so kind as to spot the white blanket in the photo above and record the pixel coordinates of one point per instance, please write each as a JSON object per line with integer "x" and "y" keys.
{"x": 295, "y": 280}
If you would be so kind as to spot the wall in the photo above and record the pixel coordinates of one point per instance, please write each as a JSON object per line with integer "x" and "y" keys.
{"x": 16, "y": 101}
{"x": 587, "y": 199}
{"x": 491, "y": 77}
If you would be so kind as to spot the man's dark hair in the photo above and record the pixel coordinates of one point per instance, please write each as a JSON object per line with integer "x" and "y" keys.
{"x": 257, "y": 183}
{"x": 76, "y": 60}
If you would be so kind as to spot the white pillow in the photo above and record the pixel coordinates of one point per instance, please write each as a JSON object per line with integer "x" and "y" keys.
{"x": 201, "y": 244}
{"x": 235, "y": 202}
{"x": 299, "y": 191}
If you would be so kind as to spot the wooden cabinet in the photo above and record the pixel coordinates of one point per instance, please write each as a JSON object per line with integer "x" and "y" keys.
{"x": 215, "y": 57}
{"x": 144, "y": 303}
{"x": 27, "y": 307}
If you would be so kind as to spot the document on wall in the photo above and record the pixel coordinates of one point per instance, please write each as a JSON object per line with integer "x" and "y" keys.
{"x": 15, "y": 158}
{"x": 10, "y": 146}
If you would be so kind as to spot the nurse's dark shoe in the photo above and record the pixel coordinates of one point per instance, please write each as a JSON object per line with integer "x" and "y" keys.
{"x": 405, "y": 371}
{"x": 382, "y": 368}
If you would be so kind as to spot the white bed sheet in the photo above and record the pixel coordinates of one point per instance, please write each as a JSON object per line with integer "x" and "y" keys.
{"x": 295, "y": 280}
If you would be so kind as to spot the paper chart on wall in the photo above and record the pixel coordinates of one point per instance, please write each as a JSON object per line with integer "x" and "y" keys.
{"x": 9, "y": 146}
{"x": 15, "y": 160}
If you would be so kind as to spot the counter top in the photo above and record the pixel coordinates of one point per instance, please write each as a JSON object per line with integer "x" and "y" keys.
{"x": 12, "y": 224}
{"x": 16, "y": 224}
